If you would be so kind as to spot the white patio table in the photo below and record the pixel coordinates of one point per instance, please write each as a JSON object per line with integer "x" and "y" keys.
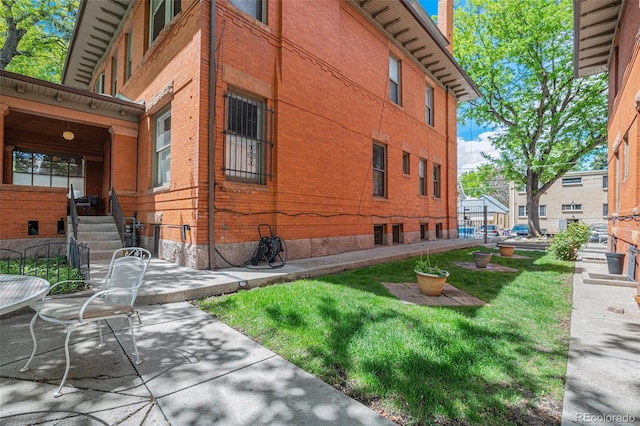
{"x": 17, "y": 291}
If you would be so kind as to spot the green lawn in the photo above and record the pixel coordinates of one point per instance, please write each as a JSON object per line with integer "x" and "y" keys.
{"x": 499, "y": 364}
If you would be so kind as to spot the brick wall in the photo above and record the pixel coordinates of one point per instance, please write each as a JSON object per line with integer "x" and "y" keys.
{"x": 21, "y": 204}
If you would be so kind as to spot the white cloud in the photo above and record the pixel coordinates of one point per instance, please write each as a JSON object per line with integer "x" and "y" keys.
{"x": 469, "y": 152}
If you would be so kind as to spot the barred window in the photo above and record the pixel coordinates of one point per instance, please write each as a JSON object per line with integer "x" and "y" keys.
{"x": 247, "y": 139}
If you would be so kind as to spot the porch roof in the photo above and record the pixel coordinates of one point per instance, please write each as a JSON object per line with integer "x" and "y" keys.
{"x": 595, "y": 23}
{"x": 96, "y": 25}
{"x": 53, "y": 93}
{"x": 408, "y": 25}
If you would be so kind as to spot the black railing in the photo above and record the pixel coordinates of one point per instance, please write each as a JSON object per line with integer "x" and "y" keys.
{"x": 73, "y": 211}
{"x": 10, "y": 261}
{"x": 118, "y": 215}
{"x": 57, "y": 261}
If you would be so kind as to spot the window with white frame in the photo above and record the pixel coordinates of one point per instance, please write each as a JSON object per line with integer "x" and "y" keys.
{"x": 406, "y": 161}
{"x": 98, "y": 86}
{"x": 436, "y": 180}
{"x": 572, "y": 180}
{"x": 255, "y": 8}
{"x": 571, "y": 207}
{"x": 605, "y": 210}
{"x": 422, "y": 177}
{"x": 605, "y": 181}
{"x": 162, "y": 12}
{"x": 626, "y": 155}
{"x": 128, "y": 55}
{"x": 379, "y": 170}
{"x": 394, "y": 80}
{"x": 114, "y": 75}
{"x": 162, "y": 147}
{"x": 542, "y": 210}
{"x": 247, "y": 138}
{"x": 428, "y": 101}
{"x": 50, "y": 170}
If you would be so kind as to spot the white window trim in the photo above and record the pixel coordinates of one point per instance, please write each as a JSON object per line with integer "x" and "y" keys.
{"x": 158, "y": 180}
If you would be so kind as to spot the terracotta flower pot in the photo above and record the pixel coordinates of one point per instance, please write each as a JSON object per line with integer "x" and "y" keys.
{"x": 429, "y": 284}
{"x": 506, "y": 250}
{"x": 481, "y": 258}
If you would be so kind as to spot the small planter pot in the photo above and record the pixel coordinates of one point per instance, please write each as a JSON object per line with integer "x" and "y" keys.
{"x": 506, "y": 250}
{"x": 481, "y": 258}
{"x": 615, "y": 262}
{"x": 429, "y": 284}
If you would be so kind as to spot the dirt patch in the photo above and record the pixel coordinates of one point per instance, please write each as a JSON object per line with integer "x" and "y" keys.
{"x": 451, "y": 296}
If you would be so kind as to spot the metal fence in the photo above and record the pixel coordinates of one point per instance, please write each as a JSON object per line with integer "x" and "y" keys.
{"x": 57, "y": 261}
{"x": 472, "y": 221}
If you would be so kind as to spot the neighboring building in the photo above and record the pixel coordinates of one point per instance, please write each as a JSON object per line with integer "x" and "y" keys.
{"x": 607, "y": 40}
{"x": 471, "y": 212}
{"x": 575, "y": 197}
{"x": 332, "y": 121}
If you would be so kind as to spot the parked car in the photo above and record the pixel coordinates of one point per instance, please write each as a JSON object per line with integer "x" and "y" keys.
{"x": 520, "y": 230}
{"x": 492, "y": 230}
{"x": 467, "y": 231}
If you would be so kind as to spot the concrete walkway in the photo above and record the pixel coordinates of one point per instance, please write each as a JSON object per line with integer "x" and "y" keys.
{"x": 603, "y": 370}
{"x": 198, "y": 371}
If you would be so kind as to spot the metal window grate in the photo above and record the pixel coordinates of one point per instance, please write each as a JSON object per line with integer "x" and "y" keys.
{"x": 248, "y": 139}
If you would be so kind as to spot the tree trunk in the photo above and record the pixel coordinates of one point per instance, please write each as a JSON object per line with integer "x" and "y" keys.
{"x": 533, "y": 204}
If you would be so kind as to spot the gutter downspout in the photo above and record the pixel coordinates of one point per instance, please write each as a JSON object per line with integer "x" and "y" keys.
{"x": 212, "y": 127}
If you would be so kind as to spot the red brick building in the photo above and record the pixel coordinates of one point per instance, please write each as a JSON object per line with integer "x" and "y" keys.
{"x": 332, "y": 121}
{"x": 607, "y": 34}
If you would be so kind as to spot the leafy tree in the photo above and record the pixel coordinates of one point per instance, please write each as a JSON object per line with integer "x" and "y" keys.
{"x": 34, "y": 35}
{"x": 520, "y": 54}
{"x": 486, "y": 180}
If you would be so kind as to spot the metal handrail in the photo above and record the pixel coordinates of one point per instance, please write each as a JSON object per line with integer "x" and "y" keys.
{"x": 118, "y": 215}
{"x": 74, "y": 213}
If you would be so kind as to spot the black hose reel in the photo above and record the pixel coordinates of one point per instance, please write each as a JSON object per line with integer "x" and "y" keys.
{"x": 271, "y": 249}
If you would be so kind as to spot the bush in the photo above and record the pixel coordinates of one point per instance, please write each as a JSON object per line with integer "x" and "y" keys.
{"x": 565, "y": 245}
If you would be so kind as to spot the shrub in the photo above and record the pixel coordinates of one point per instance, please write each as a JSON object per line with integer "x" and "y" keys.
{"x": 565, "y": 245}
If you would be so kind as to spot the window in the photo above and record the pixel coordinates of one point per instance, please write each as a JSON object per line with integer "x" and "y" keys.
{"x": 428, "y": 100}
{"x": 114, "y": 75}
{"x": 571, "y": 207}
{"x": 605, "y": 182}
{"x": 397, "y": 234}
{"x": 436, "y": 180}
{"x": 162, "y": 12}
{"x": 617, "y": 195}
{"x": 253, "y": 8}
{"x": 394, "y": 80}
{"x": 247, "y": 138}
{"x": 522, "y": 211}
{"x": 406, "y": 159}
{"x": 422, "y": 177}
{"x": 605, "y": 210}
{"x": 378, "y": 234}
{"x": 162, "y": 145}
{"x": 98, "y": 87}
{"x": 379, "y": 170}
{"x": 572, "y": 180}
{"x": 626, "y": 156}
{"x": 542, "y": 210}
{"x": 424, "y": 231}
{"x": 129, "y": 47}
{"x": 522, "y": 189}
{"x": 438, "y": 230}
{"x": 57, "y": 171}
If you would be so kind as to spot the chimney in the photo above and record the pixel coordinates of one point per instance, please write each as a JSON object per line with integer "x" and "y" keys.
{"x": 445, "y": 20}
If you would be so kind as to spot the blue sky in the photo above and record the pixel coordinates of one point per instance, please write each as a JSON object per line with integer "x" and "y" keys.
{"x": 472, "y": 137}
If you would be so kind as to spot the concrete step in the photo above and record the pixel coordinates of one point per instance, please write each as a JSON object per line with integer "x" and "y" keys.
{"x": 101, "y": 256}
{"x": 103, "y": 245}
{"x": 98, "y": 236}
{"x": 95, "y": 219}
{"x": 97, "y": 227}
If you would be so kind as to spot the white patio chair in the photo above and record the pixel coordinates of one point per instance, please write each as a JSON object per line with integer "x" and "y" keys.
{"x": 114, "y": 298}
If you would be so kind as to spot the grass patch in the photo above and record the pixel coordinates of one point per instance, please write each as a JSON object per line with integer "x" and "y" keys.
{"x": 499, "y": 364}
{"x": 54, "y": 270}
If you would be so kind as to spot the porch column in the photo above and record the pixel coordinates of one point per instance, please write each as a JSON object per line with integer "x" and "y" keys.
{"x": 4, "y": 110}
{"x": 122, "y": 170}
